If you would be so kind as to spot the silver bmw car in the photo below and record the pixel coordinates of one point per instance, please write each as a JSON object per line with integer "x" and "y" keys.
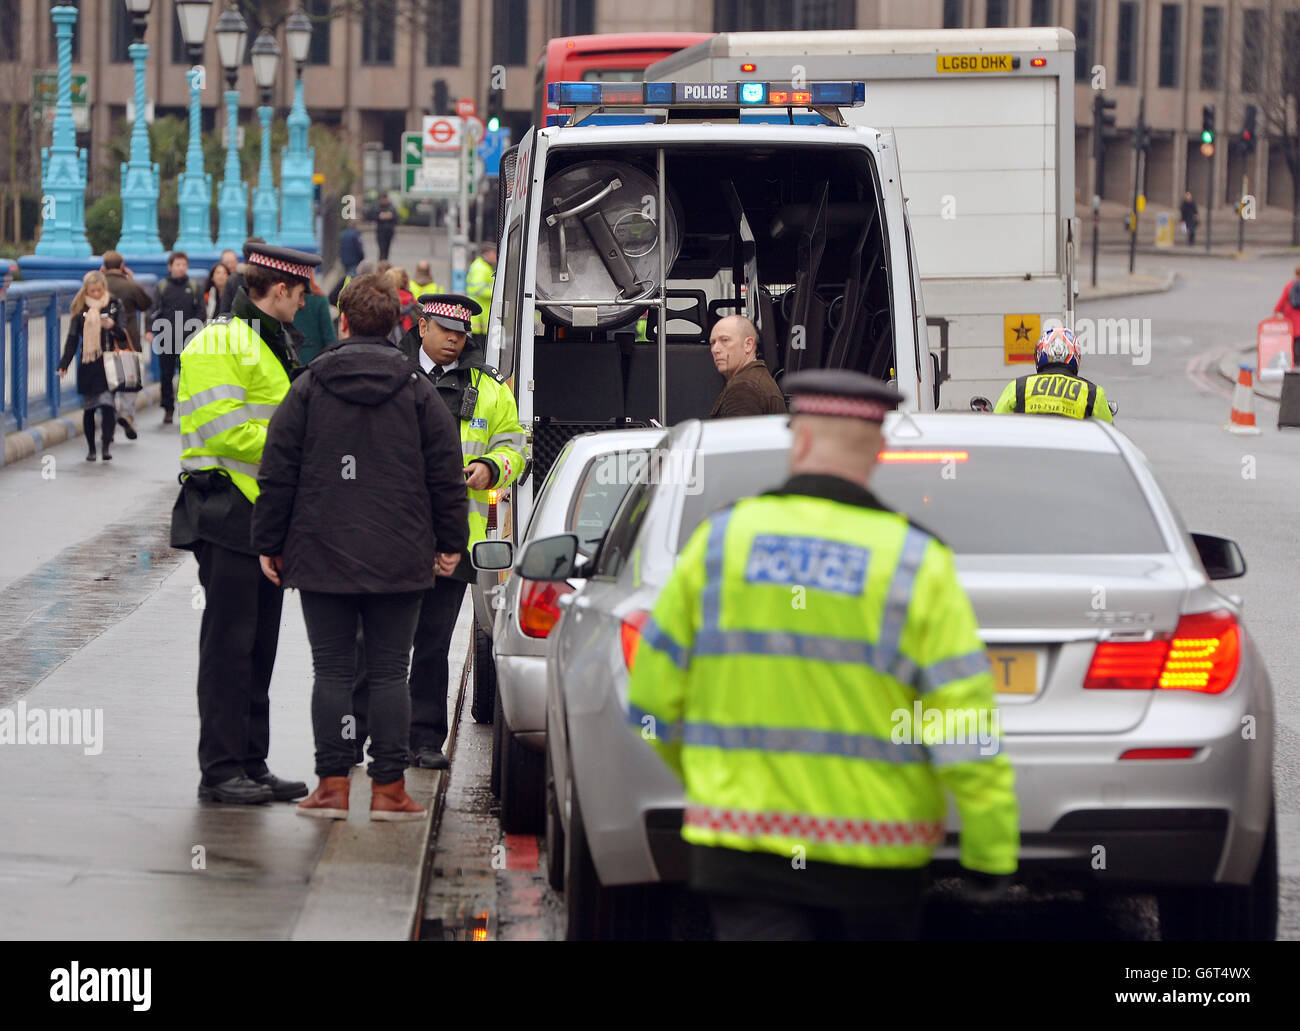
{"x": 1132, "y": 701}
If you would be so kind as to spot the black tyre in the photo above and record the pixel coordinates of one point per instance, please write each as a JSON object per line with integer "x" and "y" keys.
{"x": 1227, "y": 912}
{"x": 498, "y": 722}
{"x": 485, "y": 676}
{"x": 523, "y": 786}
{"x": 554, "y": 831}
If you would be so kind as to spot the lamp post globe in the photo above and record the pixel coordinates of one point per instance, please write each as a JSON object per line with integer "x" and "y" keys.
{"x": 194, "y": 186}
{"x": 232, "y": 199}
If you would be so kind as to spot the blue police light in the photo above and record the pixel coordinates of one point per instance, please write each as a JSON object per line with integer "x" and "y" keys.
{"x": 572, "y": 94}
{"x": 838, "y": 94}
{"x": 658, "y": 92}
{"x": 753, "y": 92}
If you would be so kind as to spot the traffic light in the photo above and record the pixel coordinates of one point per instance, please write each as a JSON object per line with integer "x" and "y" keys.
{"x": 1141, "y": 136}
{"x": 494, "y": 110}
{"x": 1103, "y": 122}
{"x": 1207, "y": 124}
{"x": 1247, "y": 144}
{"x": 440, "y": 101}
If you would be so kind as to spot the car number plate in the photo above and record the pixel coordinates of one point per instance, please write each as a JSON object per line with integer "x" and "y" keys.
{"x": 1015, "y": 670}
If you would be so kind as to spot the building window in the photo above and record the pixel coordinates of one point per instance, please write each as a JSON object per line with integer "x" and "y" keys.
{"x": 577, "y": 17}
{"x": 378, "y": 30}
{"x": 1211, "y": 46}
{"x": 509, "y": 32}
{"x": 1170, "y": 19}
{"x": 1040, "y": 13}
{"x": 76, "y": 32}
{"x": 952, "y": 18}
{"x": 784, "y": 15}
{"x": 1084, "y": 23}
{"x": 11, "y": 12}
{"x": 995, "y": 15}
{"x": 122, "y": 37}
{"x": 1126, "y": 56}
{"x": 442, "y": 33}
{"x": 1252, "y": 49}
{"x": 1290, "y": 45}
{"x": 319, "y": 13}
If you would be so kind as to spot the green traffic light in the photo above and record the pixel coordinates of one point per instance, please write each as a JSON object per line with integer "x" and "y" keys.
{"x": 494, "y": 123}
{"x": 1207, "y": 136}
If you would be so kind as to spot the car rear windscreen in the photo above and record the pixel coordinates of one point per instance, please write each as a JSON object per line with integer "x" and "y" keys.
{"x": 985, "y": 501}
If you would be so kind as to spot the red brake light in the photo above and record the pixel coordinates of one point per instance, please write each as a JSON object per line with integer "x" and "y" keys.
{"x": 1160, "y": 753}
{"x": 1038, "y": 62}
{"x": 630, "y": 633}
{"x": 747, "y": 68}
{"x": 1202, "y": 655}
{"x": 539, "y": 606}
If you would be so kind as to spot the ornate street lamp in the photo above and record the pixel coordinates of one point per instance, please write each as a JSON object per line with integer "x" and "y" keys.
{"x": 139, "y": 174}
{"x": 63, "y": 166}
{"x": 266, "y": 59}
{"x": 194, "y": 187}
{"x": 232, "y": 198}
{"x": 298, "y": 161}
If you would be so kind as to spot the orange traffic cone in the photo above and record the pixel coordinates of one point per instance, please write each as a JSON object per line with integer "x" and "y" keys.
{"x": 1242, "y": 419}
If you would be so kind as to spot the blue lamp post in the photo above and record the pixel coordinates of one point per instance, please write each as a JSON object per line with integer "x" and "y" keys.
{"x": 232, "y": 198}
{"x": 63, "y": 166}
{"x": 194, "y": 187}
{"x": 298, "y": 161}
{"x": 139, "y": 174}
{"x": 266, "y": 204}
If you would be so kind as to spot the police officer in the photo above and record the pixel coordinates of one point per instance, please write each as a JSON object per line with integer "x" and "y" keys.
{"x": 234, "y": 373}
{"x": 1056, "y": 388}
{"x": 792, "y": 648}
{"x": 479, "y": 282}
{"x": 493, "y": 444}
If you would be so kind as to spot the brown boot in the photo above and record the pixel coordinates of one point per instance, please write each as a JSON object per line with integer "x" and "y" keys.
{"x": 329, "y": 801}
{"x": 391, "y": 802}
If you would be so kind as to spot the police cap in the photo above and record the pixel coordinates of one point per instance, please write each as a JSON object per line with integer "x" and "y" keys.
{"x": 451, "y": 311}
{"x": 841, "y": 392}
{"x": 299, "y": 264}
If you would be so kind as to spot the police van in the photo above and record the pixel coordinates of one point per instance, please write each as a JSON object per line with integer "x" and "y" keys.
{"x": 659, "y": 208}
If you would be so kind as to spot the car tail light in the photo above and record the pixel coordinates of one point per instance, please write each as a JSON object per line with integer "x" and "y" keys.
{"x": 630, "y": 633}
{"x": 1202, "y": 655}
{"x": 1160, "y": 753}
{"x": 539, "y": 606}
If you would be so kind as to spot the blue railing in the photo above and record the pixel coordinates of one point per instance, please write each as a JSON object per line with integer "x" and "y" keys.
{"x": 32, "y": 330}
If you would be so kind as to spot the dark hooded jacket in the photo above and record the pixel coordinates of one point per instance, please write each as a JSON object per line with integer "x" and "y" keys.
{"x": 361, "y": 477}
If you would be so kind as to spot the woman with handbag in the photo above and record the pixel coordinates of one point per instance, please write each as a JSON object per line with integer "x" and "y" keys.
{"x": 93, "y": 330}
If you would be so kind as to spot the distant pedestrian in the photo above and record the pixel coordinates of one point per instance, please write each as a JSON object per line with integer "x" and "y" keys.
{"x": 1288, "y": 305}
{"x": 314, "y": 323}
{"x": 227, "y": 298}
{"x": 1187, "y": 212}
{"x": 422, "y": 282}
{"x": 212, "y": 287}
{"x": 177, "y": 314}
{"x": 134, "y": 297}
{"x": 363, "y": 546}
{"x": 479, "y": 283}
{"x": 236, "y": 281}
{"x": 410, "y": 311}
{"x": 351, "y": 251}
{"x": 385, "y": 225}
{"x": 95, "y": 327}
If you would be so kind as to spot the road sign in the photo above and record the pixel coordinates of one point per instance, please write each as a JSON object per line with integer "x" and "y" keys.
{"x": 412, "y": 150}
{"x": 476, "y": 127}
{"x": 466, "y": 108}
{"x": 45, "y": 89}
{"x": 490, "y": 150}
{"x": 441, "y": 133}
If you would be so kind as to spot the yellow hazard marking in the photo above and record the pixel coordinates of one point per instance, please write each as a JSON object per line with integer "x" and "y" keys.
{"x": 1019, "y": 335}
{"x": 963, "y": 63}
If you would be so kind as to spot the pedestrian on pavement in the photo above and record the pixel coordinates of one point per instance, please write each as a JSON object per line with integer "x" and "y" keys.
{"x": 409, "y": 314}
{"x": 95, "y": 326}
{"x": 135, "y": 301}
{"x": 236, "y": 281}
{"x": 814, "y": 813}
{"x": 351, "y": 250}
{"x": 750, "y": 388}
{"x": 422, "y": 283}
{"x": 234, "y": 373}
{"x": 361, "y": 546}
{"x": 1056, "y": 388}
{"x": 212, "y": 287}
{"x": 479, "y": 281}
{"x": 1187, "y": 212}
{"x": 1288, "y": 306}
{"x": 177, "y": 314}
{"x": 492, "y": 442}
{"x": 385, "y": 225}
{"x": 225, "y": 299}
{"x": 314, "y": 323}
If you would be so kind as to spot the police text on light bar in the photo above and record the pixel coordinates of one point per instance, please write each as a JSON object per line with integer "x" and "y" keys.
{"x": 711, "y": 94}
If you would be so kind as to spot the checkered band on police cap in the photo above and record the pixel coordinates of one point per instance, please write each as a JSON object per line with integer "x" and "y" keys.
{"x": 449, "y": 311}
{"x": 294, "y": 269}
{"x": 830, "y": 404}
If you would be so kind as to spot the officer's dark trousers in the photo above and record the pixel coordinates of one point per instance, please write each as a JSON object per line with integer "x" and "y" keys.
{"x": 429, "y": 671}
{"x": 742, "y": 919}
{"x": 167, "y": 373}
{"x": 237, "y": 642}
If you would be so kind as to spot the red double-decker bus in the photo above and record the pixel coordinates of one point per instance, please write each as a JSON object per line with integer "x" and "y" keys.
{"x": 616, "y": 57}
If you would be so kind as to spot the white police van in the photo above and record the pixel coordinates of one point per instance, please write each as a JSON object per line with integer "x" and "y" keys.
{"x": 661, "y": 207}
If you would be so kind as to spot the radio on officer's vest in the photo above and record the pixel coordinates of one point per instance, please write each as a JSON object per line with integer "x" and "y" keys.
{"x": 468, "y": 401}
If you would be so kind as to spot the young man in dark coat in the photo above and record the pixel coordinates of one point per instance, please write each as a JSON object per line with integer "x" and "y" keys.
{"x": 362, "y": 503}
{"x": 177, "y": 314}
{"x": 134, "y": 298}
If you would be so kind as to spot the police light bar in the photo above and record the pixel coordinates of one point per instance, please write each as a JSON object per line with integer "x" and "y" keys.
{"x": 710, "y": 94}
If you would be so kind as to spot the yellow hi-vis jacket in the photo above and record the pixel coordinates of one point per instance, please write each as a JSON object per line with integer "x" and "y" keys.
{"x": 478, "y": 285}
{"x": 230, "y": 386}
{"x": 493, "y": 433}
{"x": 812, "y": 672}
{"x": 1055, "y": 393}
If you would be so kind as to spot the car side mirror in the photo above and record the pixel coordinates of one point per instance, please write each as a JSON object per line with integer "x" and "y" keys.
{"x": 980, "y": 404}
{"x": 1220, "y": 556}
{"x": 492, "y": 556}
{"x": 1114, "y": 408}
{"x": 550, "y": 559}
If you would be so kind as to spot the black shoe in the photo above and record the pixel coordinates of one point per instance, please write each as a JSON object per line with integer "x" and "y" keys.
{"x": 282, "y": 790}
{"x": 90, "y": 456}
{"x": 235, "y": 791}
{"x": 127, "y": 428}
{"x": 429, "y": 759}
{"x": 167, "y": 416}
{"x": 103, "y": 450}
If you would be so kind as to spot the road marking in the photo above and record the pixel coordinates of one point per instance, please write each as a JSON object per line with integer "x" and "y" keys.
{"x": 1198, "y": 370}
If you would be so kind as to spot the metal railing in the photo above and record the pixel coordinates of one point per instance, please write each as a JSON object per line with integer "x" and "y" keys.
{"x": 33, "y": 325}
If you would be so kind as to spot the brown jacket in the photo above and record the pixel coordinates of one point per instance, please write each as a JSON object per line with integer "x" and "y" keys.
{"x": 134, "y": 299}
{"x": 751, "y": 391}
